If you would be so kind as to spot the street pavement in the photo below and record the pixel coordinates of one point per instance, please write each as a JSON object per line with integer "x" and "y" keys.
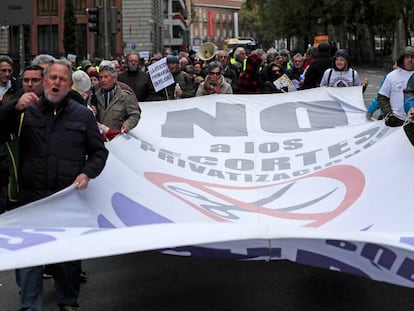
{"x": 151, "y": 281}
{"x": 375, "y": 77}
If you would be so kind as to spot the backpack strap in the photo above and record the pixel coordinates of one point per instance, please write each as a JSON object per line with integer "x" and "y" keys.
{"x": 329, "y": 76}
{"x": 353, "y": 77}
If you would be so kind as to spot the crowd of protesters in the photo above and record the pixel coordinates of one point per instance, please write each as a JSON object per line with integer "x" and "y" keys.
{"x": 101, "y": 98}
{"x": 254, "y": 72}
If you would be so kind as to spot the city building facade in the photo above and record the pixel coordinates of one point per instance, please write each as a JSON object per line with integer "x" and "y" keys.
{"x": 145, "y": 26}
{"x": 44, "y": 33}
{"x": 176, "y": 20}
{"x": 216, "y": 21}
{"x": 142, "y": 26}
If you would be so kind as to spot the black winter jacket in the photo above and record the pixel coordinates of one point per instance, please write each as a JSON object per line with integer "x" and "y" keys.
{"x": 55, "y": 146}
{"x": 314, "y": 73}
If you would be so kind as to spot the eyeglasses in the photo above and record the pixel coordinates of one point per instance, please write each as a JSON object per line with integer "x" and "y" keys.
{"x": 276, "y": 71}
{"x": 6, "y": 70}
{"x": 34, "y": 80}
{"x": 214, "y": 73}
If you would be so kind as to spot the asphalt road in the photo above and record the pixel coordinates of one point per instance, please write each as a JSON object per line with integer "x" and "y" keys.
{"x": 375, "y": 76}
{"x": 156, "y": 282}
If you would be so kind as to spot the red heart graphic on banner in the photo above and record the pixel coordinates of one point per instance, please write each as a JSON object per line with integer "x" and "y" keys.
{"x": 349, "y": 176}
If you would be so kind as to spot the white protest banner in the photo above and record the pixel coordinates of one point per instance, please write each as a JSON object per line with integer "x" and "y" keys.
{"x": 161, "y": 76}
{"x": 301, "y": 176}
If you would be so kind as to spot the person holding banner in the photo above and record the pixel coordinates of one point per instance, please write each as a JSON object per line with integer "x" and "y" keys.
{"x": 182, "y": 86}
{"x": 115, "y": 107}
{"x": 49, "y": 161}
{"x": 409, "y": 109}
{"x": 390, "y": 95}
{"x": 341, "y": 74}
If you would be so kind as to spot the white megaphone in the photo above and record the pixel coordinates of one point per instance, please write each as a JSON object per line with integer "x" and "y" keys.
{"x": 207, "y": 51}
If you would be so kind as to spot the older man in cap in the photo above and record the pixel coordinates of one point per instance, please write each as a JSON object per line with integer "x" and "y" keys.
{"x": 390, "y": 95}
{"x": 183, "y": 86}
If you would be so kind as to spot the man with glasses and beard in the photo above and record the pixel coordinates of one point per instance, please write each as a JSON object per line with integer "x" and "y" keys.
{"x": 135, "y": 77}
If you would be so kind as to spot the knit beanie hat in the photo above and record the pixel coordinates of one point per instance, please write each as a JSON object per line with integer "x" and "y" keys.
{"x": 172, "y": 59}
{"x": 81, "y": 81}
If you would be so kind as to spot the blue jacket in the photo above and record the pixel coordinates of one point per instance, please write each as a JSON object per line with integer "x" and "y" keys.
{"x": 409, "y": 94}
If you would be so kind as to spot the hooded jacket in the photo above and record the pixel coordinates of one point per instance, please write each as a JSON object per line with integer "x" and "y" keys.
{"x": 316, "y": 69}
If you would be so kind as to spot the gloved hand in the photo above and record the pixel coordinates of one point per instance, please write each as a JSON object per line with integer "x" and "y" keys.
{"x": 393, "y": 121}
{"x": 110, "y": 134}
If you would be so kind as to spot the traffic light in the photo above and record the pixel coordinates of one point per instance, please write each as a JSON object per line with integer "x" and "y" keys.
{"x": 93, "y": 19}
{"x": 115, "y": 20}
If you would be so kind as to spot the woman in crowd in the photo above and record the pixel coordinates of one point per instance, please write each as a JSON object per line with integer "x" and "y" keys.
{"x": 214, "y": 82}
{"x": 342, "y": 75}
{"x": 273, "y": 72}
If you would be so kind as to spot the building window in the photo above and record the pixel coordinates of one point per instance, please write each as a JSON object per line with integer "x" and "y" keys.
{"x": 177, "y": 32}
{"x": 165, "y": 9}
{"x": 15, "y": 44}
{"x": 48, "y": 39}
{"x": 47, "y": 8}
{"x": 80, "y": 7}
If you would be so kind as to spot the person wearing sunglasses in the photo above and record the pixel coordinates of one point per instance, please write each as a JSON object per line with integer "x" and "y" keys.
{"x": 274, "y": 71}
{"x": 214, "y": 83}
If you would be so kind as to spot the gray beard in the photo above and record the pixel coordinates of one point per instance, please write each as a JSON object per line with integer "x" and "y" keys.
{"x": 133, "y": 69}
